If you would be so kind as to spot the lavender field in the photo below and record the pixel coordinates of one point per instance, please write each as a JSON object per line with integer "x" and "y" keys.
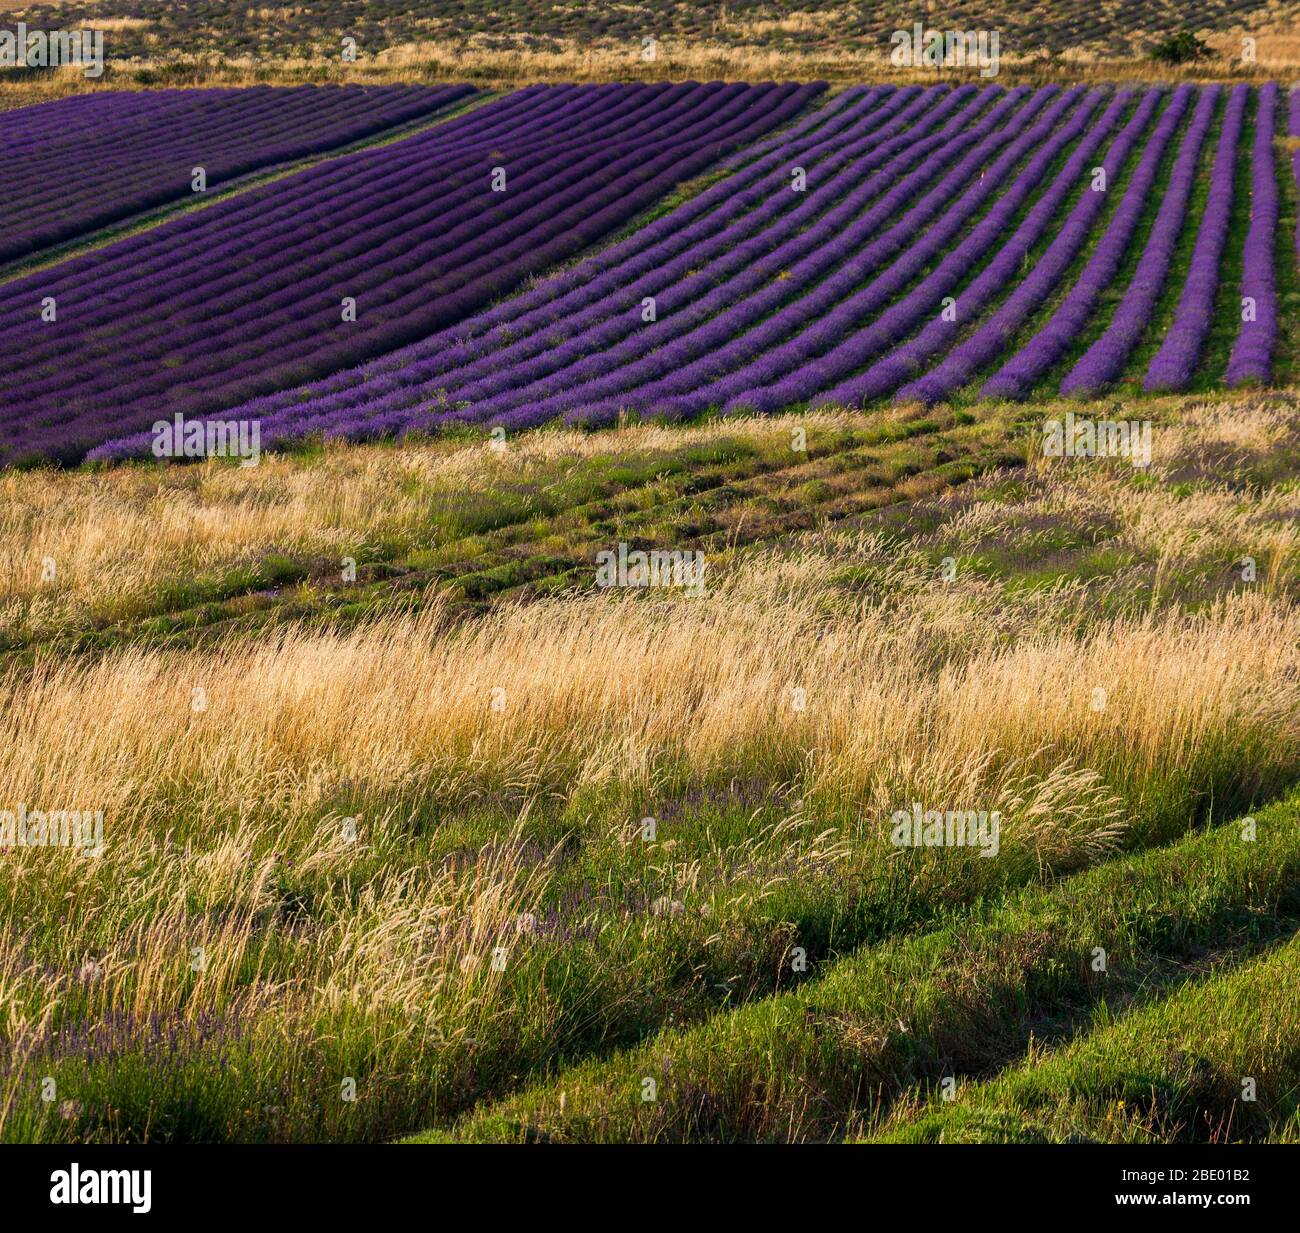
{"x": 883, "y": 243}
{"x": 149, "y": 145}
{"x": 353, "y": 257}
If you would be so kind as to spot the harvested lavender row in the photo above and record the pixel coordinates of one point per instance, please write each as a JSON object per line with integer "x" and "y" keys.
{"x": 992, "y": 337}
{"x": 209, "y": 324}
{"x": 1050, "y": 343}
{"x": 144, "y": 146}
{"x": 1174, "y": 363}
{"x": 1252, "y": 354}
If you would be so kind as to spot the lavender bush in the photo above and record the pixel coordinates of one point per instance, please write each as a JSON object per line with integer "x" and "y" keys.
{"x": 1105, "y": 359}
{"x": 1252, "y": 356}
{"x": 1174, "y": 363}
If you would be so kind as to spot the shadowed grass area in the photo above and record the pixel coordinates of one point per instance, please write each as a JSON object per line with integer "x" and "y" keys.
{"x": 969, "y": 999}
{"x": 151, "y": 550}
{"x": 179, "y": 554}
{"x": 1214, "y": 1062}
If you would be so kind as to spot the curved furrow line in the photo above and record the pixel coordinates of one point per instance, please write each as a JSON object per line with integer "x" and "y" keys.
{"x": 779, "y": 1067}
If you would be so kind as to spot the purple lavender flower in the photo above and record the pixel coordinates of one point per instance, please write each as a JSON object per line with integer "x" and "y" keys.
{"x": 1252, "y": 356}
{"x": 904, "y": 361}
{"x": 249, "y": 295}
{"x": 1174, "y": 363}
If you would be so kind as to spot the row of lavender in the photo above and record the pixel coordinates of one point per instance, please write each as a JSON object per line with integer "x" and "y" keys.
{"x": 351, "y": 258}
{"x": 1293, "y": 130}
{"x": 896, "y": 242}
{"x": 95, "y": 159}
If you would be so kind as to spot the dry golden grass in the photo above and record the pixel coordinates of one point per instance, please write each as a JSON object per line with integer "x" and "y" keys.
{"x": 746, "y": 26}
{"x": 593, "y": 690}
{"x": 457, "y": 59}
{"x": 1209, "y": 523}
{"x": 223, "y": 773}
{"x": 115, "y": 535}
{"x": 473, "y": 60}
{"x": 1277, "y": 47}
{"x": 112, "y": 24}
{"x": 918, "y": 697}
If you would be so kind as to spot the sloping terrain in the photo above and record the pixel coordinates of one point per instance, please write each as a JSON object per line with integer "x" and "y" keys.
{"x": 145, "y": 147}
{"x": 435, "y": 858}
{"x": 350, "y": 258}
